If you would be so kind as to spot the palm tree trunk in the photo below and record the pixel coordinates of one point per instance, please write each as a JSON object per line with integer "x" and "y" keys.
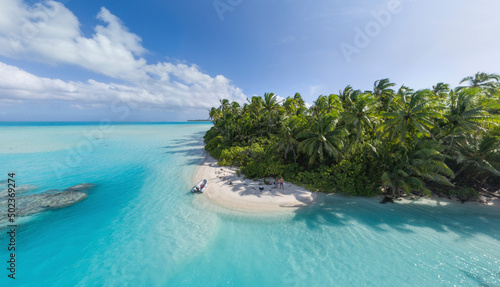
{"x": 451, "y": 144}
{"x": 269, "y": 123}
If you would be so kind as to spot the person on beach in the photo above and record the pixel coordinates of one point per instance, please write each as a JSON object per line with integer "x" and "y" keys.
{"x": 276, "y": 181}
{"x": 282, "y": 181}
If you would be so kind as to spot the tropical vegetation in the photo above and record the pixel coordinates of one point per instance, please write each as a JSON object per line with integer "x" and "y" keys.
{"x": 385, "y": 141}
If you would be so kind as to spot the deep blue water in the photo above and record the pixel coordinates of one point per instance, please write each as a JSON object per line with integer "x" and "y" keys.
{"x": 140, "y": 226}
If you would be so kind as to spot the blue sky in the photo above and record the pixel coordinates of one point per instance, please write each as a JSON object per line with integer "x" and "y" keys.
{"x": 172, "y": 60}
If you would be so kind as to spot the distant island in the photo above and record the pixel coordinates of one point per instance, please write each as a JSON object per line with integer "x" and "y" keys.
{"x": 207, "y": 120}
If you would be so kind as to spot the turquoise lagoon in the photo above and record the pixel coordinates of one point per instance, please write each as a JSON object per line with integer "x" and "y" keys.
{"x": 140, "y": 226}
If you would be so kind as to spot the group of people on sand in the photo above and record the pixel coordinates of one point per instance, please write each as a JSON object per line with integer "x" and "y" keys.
{"x": 279, "y": 181}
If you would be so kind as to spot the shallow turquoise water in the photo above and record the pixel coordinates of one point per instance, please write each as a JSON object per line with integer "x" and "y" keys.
{"x": 141, "y": 227}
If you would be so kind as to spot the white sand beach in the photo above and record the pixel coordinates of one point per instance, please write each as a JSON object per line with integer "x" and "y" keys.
{"x": 228, "y": 190}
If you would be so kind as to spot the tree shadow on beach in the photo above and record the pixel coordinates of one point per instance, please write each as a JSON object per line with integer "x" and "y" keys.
{"x": 461, "y": 219}
{"x": 244, "y": 188}
{"x": 190, "y": 147}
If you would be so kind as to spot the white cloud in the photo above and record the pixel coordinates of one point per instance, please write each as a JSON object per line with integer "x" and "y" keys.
{"x": 280, "y": 99}
{"x": 17, "y": 84}
{"x": 50, "y": 33}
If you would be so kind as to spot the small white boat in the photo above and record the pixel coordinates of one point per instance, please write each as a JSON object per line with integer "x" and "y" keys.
{"x": 200, "y": 187}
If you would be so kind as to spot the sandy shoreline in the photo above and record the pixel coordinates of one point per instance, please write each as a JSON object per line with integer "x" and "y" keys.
{"x": 228, "y": 190}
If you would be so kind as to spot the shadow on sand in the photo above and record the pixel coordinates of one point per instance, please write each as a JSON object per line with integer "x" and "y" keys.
{"x": 465, "y": 220}
{"x": 191, "y": 147}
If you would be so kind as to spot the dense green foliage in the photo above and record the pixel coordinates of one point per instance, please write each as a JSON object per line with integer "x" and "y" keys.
{"x": 368, "y": 142}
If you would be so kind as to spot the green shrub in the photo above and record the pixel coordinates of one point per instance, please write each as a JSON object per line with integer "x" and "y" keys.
{"x": 465, "y": 193}
{"x": 215, "y": 146}
{"x": 291, "y": 170}
{"x": 357, "y": 174}
{"x": 211, "y": 133}
{"x": 255, "y": 169}
{"x": 259, "y": 169}
{"x": 235, "y": 156}
{"x": 315, "y": 181}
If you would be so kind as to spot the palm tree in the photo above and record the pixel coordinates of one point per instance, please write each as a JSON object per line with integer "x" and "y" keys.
{"x": 254, "y": 113}
{"x": 361, "y": 116}
{"x": 271, "y": 106}
{"x": 214, "y": 115}
{"x": 482, "y": 80}
{"x": 333, "y": 105}
{"x": 298, "y": 99}
{"x": 478, "y": 158}
{"x": 221, "y": 116}
{"x": 412, "y": 112}
{"x": 399, "y": 179}
{"x": 286, "y": 139}
{"x": 383, "y": 92}
{"x": 256, "y": 103}
{"x": 224, "y": 105}
{"x": 320, "y": 106}
{"x": 300, "y": 104}
{"x": 330, "y": 105}
{"x": 441, "y": 88}
{"x": 413, "y": 167}
{"x": 464, "y": 116}
{"x": 235, "y": 111}
{"x": 323, "y": 137}
{"x": 348, "y": 96}
{"x": 290, "y": 106}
